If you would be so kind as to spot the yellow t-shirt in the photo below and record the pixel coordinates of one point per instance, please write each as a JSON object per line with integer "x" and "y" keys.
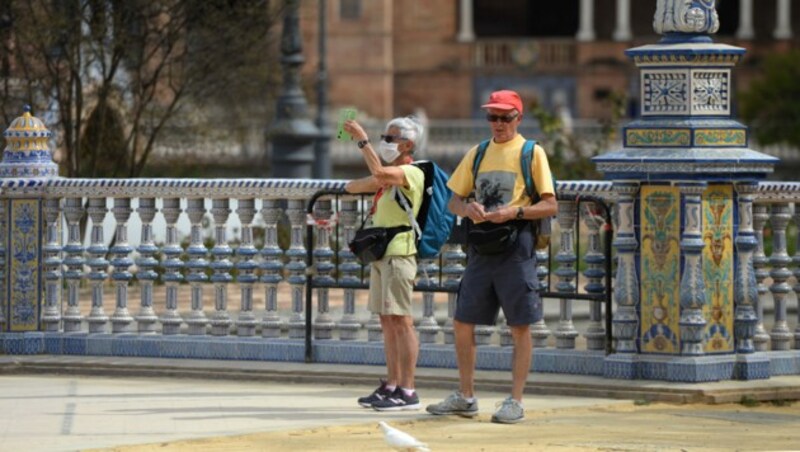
{"x": 388, "y": 212}
{"x": 500, "y": 181}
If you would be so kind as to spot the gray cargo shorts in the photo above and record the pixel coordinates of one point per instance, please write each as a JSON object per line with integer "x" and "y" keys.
{"x": 506, "y": 280}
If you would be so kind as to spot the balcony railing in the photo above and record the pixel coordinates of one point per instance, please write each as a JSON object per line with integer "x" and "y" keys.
{"x": 503, "y": 54}
{"x": 235, "y": 288}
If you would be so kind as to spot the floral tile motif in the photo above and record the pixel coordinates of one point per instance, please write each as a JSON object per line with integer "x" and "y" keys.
{"x": 24, "y": 223}
{"x": 718, "y": 268}
{"x": 660, "y": 269}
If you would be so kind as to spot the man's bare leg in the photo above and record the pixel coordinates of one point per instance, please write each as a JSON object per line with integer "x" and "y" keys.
{"x": 465, "y": 356}
{"x": 521, "y": 361}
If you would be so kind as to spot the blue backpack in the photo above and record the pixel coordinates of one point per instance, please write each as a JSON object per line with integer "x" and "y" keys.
{"x": 434, "y": 221}
{"x": 541, "y": 226}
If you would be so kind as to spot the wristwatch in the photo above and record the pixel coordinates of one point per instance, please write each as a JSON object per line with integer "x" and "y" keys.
{"x": 362, "y": 143}
{"x": 519, "y": 213}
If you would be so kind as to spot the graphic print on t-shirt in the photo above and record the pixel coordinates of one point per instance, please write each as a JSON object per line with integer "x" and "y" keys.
{"x": 495, "y": 189}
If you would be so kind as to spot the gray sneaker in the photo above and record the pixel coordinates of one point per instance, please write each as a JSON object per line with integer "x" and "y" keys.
{"x": 455, "y": 403}
{"x": 510, "y": 412}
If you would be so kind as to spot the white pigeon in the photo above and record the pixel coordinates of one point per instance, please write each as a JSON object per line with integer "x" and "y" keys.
{"x": 400, "y": 440}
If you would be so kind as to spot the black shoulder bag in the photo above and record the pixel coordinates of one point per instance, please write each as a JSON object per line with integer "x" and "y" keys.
{"x": 369, "y": 244}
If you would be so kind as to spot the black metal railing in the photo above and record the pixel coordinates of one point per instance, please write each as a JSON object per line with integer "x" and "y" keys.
{"x": 605, "y": 297}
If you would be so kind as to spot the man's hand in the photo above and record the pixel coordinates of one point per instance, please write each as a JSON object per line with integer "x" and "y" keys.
{"x": 502, "y": 215}
{"x": 355, "y": 130}
{"x": 475, "y": 211}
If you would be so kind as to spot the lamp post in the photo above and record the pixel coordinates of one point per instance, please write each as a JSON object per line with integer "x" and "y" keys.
{"x": 322, "y": 155}
{"x": 292, "y": 133}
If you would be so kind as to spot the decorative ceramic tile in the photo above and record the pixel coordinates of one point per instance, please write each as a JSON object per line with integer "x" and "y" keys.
{"x": 660, "y": 269}
{"x": 718, "y": 268}
{"x": 100, "y": 344}
{"x": 710, "y": 92}
{"x": 658, "y": 137}
{"x": 24, "y": 253}
{"x": 720, "y": 137}
{"x": 148, "y": 346}
{"x": 54, "y": 343}
{"x": 75, "y": 343}
{"x": 665, "y": 92}
{"x": 12, "y": 343}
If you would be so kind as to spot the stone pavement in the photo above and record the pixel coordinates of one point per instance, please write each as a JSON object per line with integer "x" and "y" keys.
{"x": 55, "y": 403}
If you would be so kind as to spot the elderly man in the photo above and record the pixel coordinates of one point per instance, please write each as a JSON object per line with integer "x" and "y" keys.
{"x": 501, "y": 269}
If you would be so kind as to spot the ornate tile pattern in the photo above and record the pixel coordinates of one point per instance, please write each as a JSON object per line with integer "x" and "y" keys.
{"x": 24, "y": 253}
{"x": 658, "y": 137}
{"x": 718, "y": 268}
{"x": 720, "y": 137}
{"x": 710, "y": 92}
{"x": 665, "y": 92}
{"x": 660, "y": 269}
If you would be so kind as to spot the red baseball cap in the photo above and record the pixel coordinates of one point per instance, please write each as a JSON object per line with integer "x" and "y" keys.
{"x": 504, "y": 100}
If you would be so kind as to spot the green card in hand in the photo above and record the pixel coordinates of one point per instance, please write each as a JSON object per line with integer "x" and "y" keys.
{"x": 345, "y": 114}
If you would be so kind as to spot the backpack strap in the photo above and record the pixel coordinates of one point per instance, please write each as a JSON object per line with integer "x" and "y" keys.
{"x": 405, "y": 204}
{"x": 479, "y": 154}
{"x": 526, "y": 160}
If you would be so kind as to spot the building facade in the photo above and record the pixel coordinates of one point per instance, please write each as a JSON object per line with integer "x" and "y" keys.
{"x": 391, "y": 57}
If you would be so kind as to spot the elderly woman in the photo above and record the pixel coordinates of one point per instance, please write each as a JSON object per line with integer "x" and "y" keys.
{"x": 392, "y": 277}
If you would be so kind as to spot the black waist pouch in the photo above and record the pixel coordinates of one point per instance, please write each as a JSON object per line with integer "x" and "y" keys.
{"x": 490, "y": 238}
{"x": 369, "y": 244}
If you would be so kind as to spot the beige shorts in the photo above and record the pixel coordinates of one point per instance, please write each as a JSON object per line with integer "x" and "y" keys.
{"x": 391, "y": 285}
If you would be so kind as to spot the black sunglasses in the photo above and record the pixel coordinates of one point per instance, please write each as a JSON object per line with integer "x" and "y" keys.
{"x": 391, "y": 138}
{"x": 502, "y": 118}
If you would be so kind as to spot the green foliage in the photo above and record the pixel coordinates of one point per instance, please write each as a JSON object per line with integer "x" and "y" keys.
{"x": 121, "y": 74}
{"x": 782, "y": 402}
{"x": 567, "y": 156}
{"x": 749, "y": 401}
{"x": 772, "y": 102}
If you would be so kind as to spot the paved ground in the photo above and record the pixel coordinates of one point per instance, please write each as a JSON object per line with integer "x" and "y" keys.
{"x": 53, "y": 403}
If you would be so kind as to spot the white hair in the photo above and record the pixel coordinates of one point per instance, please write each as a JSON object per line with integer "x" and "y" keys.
{"x": 409, "y": 127}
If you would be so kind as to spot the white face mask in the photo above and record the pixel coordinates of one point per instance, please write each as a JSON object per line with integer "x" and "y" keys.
{"x": 388, "y": 151}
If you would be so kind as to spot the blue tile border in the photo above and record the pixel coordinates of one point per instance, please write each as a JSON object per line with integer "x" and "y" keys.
{"x": 686, "y": 369}
{"x": 753, "y": 366}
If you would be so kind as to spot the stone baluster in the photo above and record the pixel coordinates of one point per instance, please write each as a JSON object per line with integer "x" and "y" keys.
{"x": 221, "y": 319}
{"x": 566, "y": 258}
{"x": 73, "y": 260}
{"x": 745, "y": 292}
{"x": 595, "y": 274}
{"x": 503, "y": 330}
{"x": 760, "y": 264}
{"x": 146, "y": 262}
{"x": 171, "y": 320}
{"x": 297, "y": 267}
{"x": 453, "y": 257}
{"x": 247, "y": 252}
{"x": 796, "y": 261}
{"x": 539, "y": 330}
{"x": 51, "y": 317}
{"x": 428, "y": 271}
{"x": 692, "y": 289}
{"x": 349, "y": 270}
{"x": 779, "y": 260}
{"x": 197, "y": 265}
{"x": 98, "y": 263}
{"x": 626, "y": 286}
{"x": 271, "y": 267}
{"x": 323, "y": 263}
{"x": 121, "y": 320}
